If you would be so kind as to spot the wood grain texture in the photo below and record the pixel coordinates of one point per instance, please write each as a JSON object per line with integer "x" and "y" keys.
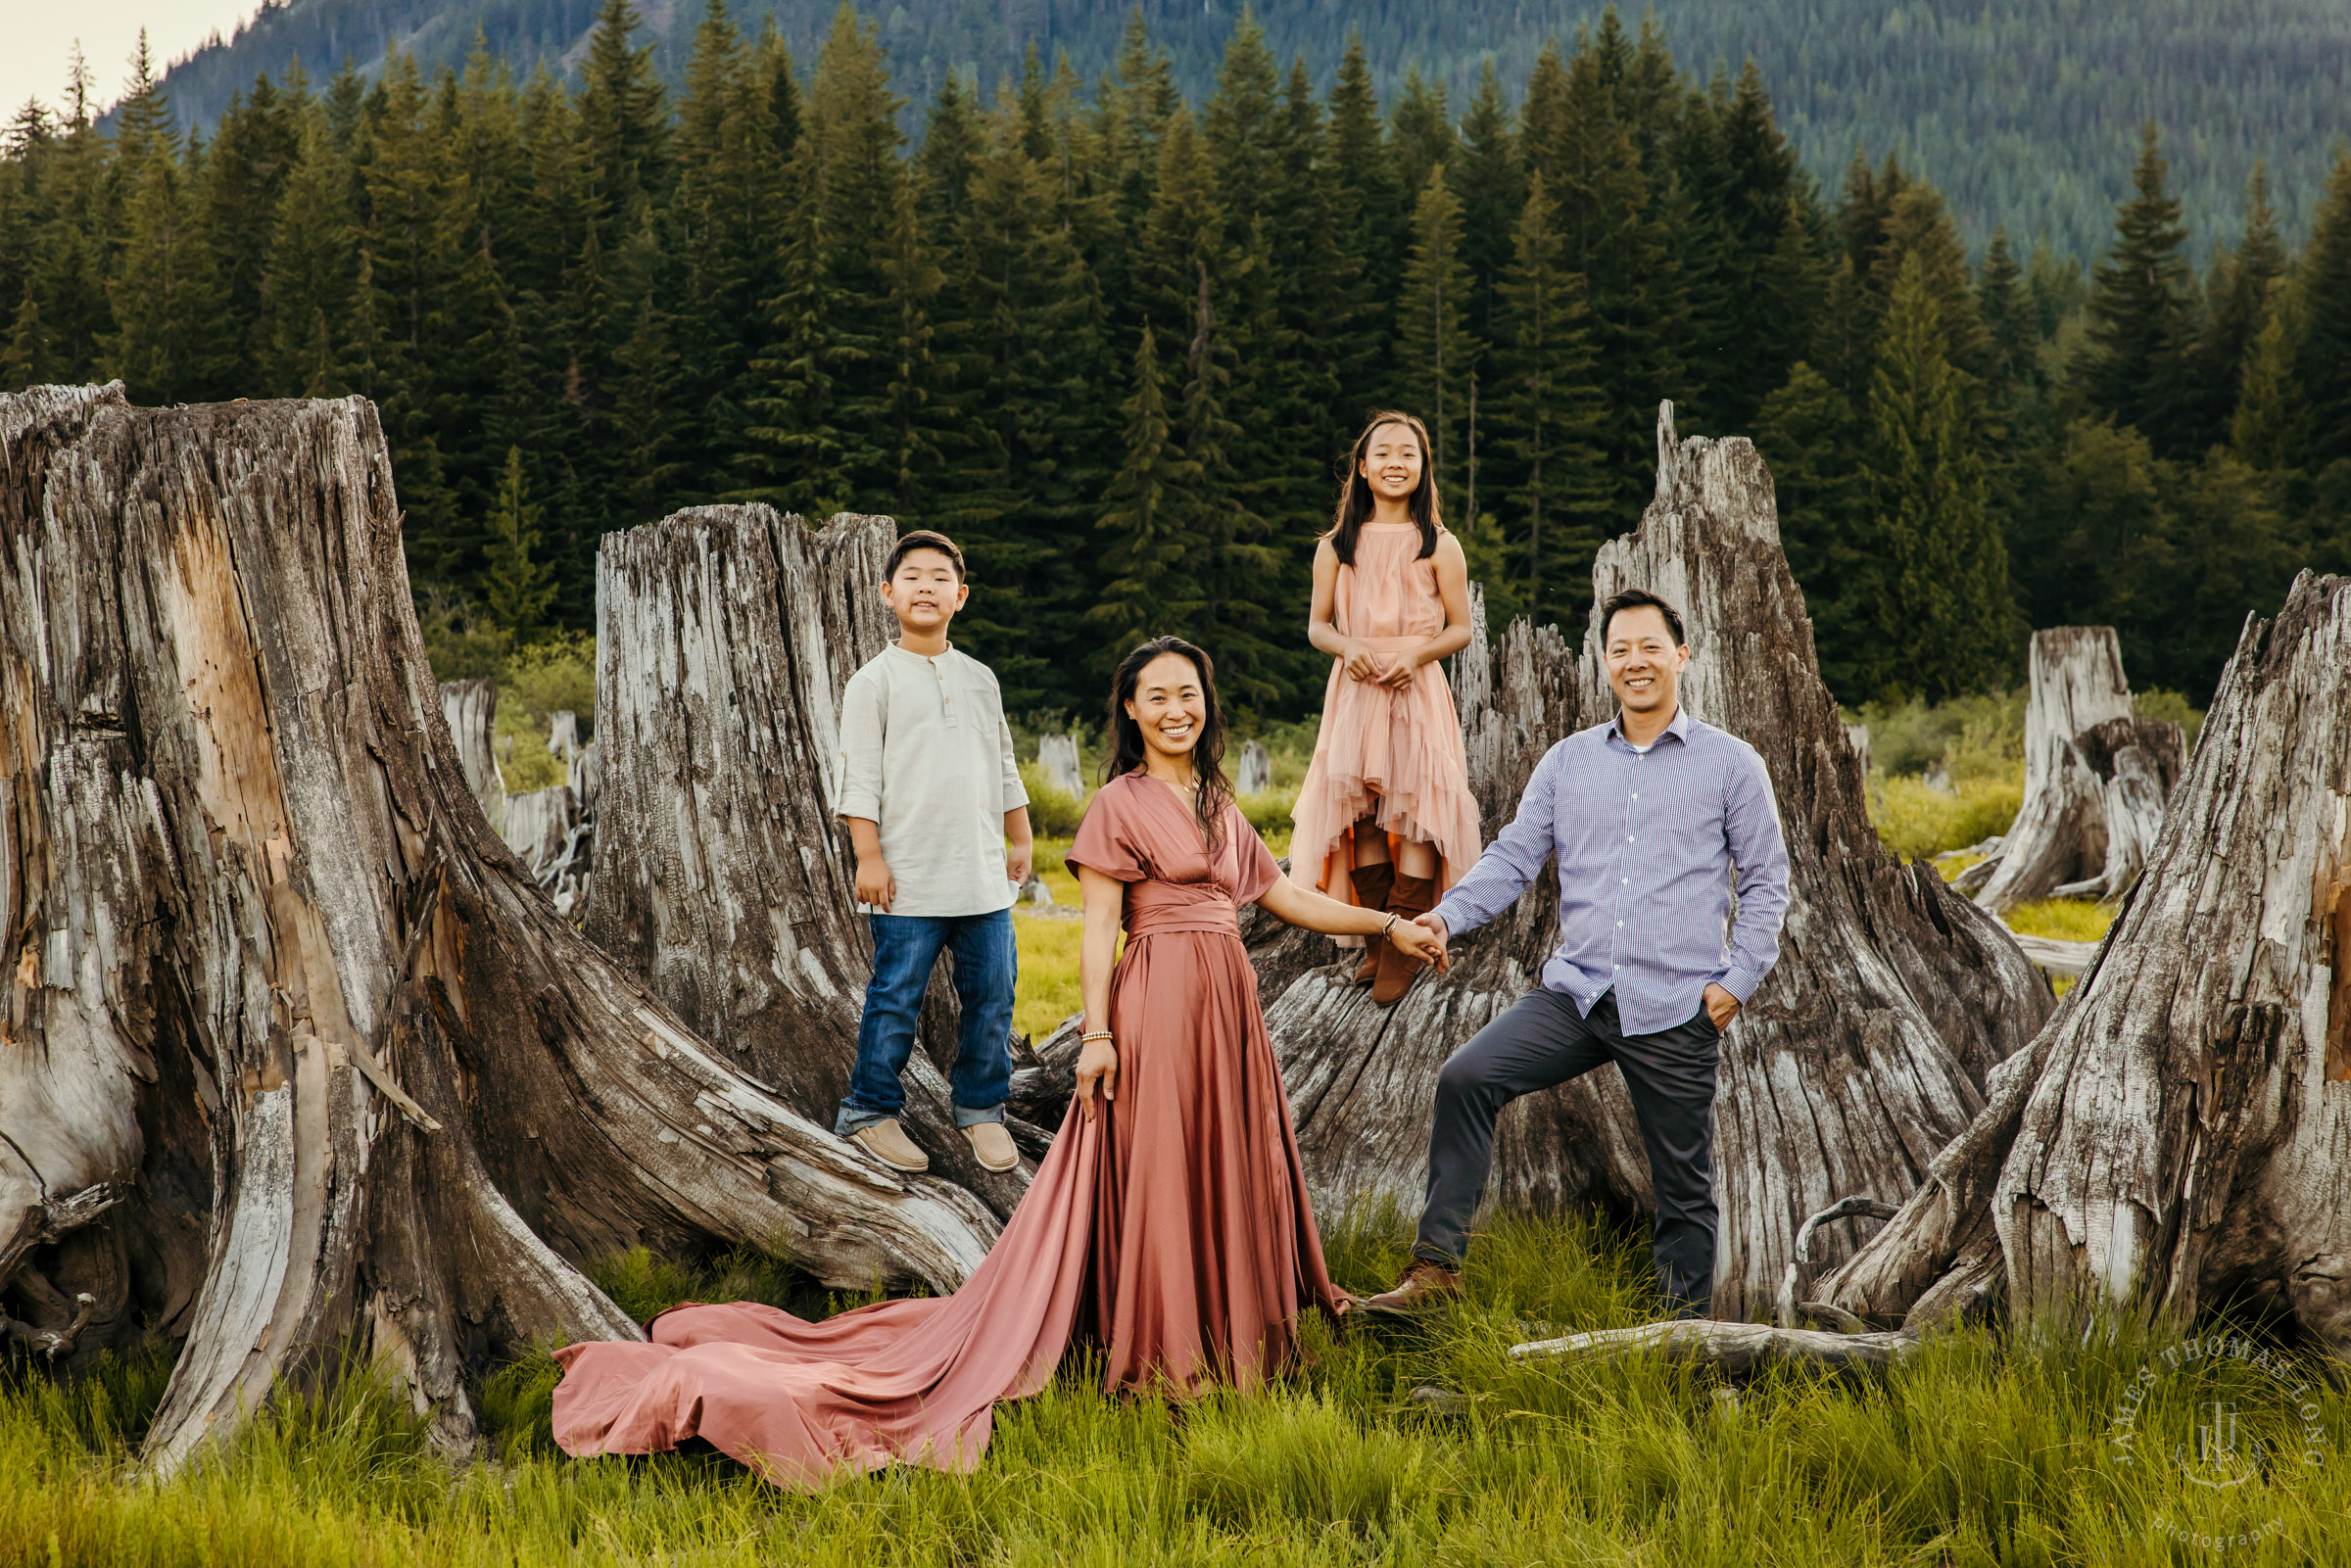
{"x": 310, "y": 1007}
{"x": 2174, "y": 1138}
{"x": 2097, "y": 776}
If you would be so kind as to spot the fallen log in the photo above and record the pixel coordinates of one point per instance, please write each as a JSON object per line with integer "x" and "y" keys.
{"x": 2097, "y": 776}
{"x": 725, "y": 636}
{"x": 2172, "y": 1140}
{"x": 365, "y": 1092}
{"x": 1733, "y": 1348}
{"x": 1866, "y": 1051}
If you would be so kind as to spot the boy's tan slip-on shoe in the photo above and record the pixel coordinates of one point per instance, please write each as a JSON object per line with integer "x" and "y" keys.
{"x": 993, "y": 1145}
{"x": 1424, "y": 1285}
{"x": 887, "y": 1142}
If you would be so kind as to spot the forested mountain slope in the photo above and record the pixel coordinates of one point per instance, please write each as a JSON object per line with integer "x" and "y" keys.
{"x": 2024, "y": 113}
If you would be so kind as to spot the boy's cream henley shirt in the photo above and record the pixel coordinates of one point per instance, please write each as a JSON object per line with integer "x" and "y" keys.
{"x": 926, "y": 755}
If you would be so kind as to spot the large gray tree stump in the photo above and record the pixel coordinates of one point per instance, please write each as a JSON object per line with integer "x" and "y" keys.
{"x": 2096, "y": 776}
{"x": 2174, "y": 1139}
{"x": 726, "y": 635}
{"x": 1866, "y": 1048}
{"x": 280, "y": 1011}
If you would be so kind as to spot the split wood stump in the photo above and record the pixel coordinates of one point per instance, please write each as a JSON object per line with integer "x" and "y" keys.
{"x": 295, "y": 1062}
{"x": 1864, "y": 1051}
{"x": 2174, "y": 1139}
{"x": 2097, "y": 776}
{"x": 725, "y": 636}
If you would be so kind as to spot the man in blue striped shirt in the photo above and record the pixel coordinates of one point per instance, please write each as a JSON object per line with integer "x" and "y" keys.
{"x": 1652, "y": 815}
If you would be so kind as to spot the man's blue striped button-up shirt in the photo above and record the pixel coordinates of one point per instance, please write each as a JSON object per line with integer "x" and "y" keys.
{"x": 1649, "y": 843}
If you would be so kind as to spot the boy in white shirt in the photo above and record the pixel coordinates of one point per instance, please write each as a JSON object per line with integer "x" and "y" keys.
{"x": 932, "y": 796}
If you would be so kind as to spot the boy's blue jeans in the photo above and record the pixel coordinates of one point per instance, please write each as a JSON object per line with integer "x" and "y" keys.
{"x": 987, "y": 963}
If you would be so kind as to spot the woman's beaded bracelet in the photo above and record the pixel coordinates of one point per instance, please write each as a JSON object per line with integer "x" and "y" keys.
{"x": 1093, "y": 1034}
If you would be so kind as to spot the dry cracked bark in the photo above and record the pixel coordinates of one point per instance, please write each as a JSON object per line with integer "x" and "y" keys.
{"x": 2097, "y": 776}
{"x": 726, "y": 636}
{"x": 270, "y": 976}
{"x": 1863, "y": 1053}
{"x": 2176, "y": 1137}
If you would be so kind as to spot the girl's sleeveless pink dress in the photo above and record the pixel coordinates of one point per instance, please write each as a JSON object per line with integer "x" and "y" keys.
{"x": 1392, "y": 755}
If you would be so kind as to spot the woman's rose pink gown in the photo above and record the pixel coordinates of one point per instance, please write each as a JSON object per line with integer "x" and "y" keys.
{"x": 1393, "y": 755}
{"x": 1174, "y": 1232}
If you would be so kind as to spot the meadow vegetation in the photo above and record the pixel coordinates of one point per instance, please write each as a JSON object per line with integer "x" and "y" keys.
{"x": 1991, "y": 1446}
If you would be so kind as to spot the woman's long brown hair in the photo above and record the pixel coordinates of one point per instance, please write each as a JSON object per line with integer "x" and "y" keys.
{"x": 1355, "y": 491}
{"x": 1207, "y": 753}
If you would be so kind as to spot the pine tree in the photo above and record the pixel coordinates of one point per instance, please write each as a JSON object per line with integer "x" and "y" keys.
{"x": 1436, "y": 353}
{"x": 1491, "y": 183}
{"x": 2240, "y": 297}
{"x": 1945, "y": 610}
{"x": 26, "y": 360}
{"x": 516, "y": 590}
{"x": 2322, "y": 346}
{"x": 2137, "y": 326}
{"x": 309, "y": 282}
{"x": 1549, "y": 412}
{"x": 1149, "y": 515}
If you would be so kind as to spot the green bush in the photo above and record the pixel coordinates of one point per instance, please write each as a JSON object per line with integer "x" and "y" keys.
{"x": 1979, "y": 734}
{"x": 1053, "y": 812}
{"x": 1914, "y": 821}
{"x": 2175, "y": 707}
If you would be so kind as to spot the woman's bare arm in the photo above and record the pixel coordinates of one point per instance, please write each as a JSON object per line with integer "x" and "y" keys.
{"x": 1097, "y": 952}
{"x": 1294, "y": 905}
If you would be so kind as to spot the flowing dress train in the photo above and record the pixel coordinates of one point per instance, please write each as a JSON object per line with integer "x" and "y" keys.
{"x": 1174, "y": 1232}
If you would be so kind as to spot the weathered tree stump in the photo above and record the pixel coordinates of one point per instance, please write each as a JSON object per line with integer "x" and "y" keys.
{"x": 2096, "y": 776}
{"x": 1057, "y": 755}
{"x": 1866, "y": 1048}
{"x": 272, "y": 981}
{"x": 2174, "y": 1139}
{"x": 470, "y": 710}
{"x": 1255, "y": 773}
{"x": 726, "y": 636}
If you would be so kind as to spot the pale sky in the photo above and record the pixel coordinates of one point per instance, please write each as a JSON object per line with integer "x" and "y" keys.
{"x": 36, "y": 39}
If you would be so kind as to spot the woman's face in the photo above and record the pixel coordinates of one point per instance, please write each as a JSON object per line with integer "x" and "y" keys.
{"x": 1392, "y": 460}
{"x": 1169, "y": 707}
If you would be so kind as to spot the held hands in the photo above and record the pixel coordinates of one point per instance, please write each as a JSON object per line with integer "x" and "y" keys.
{"x": 1398, "y": 671}
{"x": 1721, "y": 1006}
{"x": 1415, "y": 939}
{"x": 1097, "y": 1064}
{"x": 874, "y": 884}
{"x": 1379, "y": 669}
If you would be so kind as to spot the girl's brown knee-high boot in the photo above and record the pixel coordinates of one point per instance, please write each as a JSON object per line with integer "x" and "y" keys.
{"x": 1412, "y": 895}
{"x": 1373, "y": 884}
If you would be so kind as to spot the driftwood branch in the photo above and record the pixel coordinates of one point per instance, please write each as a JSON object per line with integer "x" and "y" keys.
{"x": 1734, "y": 1349}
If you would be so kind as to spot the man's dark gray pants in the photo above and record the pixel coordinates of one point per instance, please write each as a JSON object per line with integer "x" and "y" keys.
{"x": 1544, "y": 1040}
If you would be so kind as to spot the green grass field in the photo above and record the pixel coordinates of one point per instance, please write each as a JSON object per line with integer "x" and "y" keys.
{"x": 1989, "y": 1449}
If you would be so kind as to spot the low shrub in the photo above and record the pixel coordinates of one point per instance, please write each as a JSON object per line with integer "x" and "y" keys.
{"x": 1915, "y": 820}
{"x": 1053, "y": 812}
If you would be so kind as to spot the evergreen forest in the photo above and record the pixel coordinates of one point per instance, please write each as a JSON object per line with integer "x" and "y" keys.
{"x": 1116, "y": 337}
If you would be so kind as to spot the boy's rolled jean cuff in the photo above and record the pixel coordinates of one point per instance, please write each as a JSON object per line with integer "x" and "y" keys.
{"x": 853, "y": 1117}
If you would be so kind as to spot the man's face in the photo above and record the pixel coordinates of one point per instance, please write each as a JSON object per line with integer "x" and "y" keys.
{"x": 1645, "y": 663}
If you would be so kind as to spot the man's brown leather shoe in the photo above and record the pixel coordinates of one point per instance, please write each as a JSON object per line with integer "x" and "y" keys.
{"x": 1423, "y": 1286}
{"x": 887, "y": 1142}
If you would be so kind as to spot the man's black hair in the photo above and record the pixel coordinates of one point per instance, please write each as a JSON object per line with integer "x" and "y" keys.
{"x": 1632, "y": 599}
{"x": 923, "y": 538}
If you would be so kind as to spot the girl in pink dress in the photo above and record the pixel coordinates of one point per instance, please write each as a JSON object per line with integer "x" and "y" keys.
{"x": 1385, "y": 819}
{"x": 1169, "y": 1224}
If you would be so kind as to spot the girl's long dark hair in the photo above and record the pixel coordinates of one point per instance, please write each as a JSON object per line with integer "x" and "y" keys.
{"x": 1207, "y": 753}
{"x": 1355, "y": 491}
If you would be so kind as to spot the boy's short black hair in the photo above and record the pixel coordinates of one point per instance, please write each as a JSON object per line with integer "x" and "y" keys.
{"x": 923, "y": 538}
{"x": 1632, "y": 599}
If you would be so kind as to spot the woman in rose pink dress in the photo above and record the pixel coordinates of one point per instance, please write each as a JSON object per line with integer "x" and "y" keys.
{"x": 1168, "y": 1226}
{"x": 1385, "y": 817}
